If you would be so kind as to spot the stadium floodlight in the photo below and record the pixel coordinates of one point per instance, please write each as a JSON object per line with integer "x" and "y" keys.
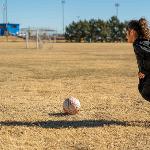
{"x": 117, "y": 6}
{"x": 63, "y": 3}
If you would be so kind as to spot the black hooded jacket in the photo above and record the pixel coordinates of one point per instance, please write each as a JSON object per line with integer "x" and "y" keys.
{"x": 142, "y": 52}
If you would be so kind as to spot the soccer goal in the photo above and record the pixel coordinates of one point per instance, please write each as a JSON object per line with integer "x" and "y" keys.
{"x": 39, "y": 36}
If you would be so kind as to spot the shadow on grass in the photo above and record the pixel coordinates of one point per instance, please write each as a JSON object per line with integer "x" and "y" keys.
{"x": 76, "y": 124}
{"x": 58, "y": 114}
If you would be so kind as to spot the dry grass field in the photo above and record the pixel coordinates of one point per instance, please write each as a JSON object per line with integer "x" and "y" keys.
{"x": 34, "y": 83}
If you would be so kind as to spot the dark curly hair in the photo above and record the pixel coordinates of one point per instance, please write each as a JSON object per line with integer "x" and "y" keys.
{"x": 141, "y": 26}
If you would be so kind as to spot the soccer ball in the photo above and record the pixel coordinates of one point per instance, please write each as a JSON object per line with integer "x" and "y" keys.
{"x": 71, "y": 105}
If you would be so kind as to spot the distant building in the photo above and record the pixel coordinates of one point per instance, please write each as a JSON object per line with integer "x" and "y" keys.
{"x": 12, "y": 29}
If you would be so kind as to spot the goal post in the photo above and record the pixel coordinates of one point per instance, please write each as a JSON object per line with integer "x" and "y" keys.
{"x": 39, "y": 36}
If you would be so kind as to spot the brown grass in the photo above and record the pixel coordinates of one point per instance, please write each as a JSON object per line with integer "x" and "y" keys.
{"x": 34, "y": 83}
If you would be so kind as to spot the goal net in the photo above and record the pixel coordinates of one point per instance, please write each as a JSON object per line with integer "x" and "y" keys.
{"x": 38, "y": 37}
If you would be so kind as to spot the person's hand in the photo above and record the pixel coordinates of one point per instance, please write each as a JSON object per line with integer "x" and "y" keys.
{"x": 141, "y": 75}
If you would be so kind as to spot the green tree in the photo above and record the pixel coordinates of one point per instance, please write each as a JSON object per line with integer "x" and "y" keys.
{"x": 96, "y": 30}
{"x": 117, "y": 29}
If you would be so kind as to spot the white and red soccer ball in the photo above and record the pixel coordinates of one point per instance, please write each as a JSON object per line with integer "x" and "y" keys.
{"x": 71, "y": 105}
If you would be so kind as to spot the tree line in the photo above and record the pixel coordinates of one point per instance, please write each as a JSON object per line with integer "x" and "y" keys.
{"x": 96, "y": 30}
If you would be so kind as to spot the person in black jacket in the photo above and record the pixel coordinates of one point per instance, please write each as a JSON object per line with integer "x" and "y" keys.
{"x": 138, "y": 33}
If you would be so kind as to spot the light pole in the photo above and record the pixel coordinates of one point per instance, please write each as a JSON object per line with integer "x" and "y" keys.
{"x": 6, "y": 9}
{"x": 3, "y": 9}
{"x": 63, "y": 3}
{"x": 117, "y": 6}
{"x": 6, "y": 18}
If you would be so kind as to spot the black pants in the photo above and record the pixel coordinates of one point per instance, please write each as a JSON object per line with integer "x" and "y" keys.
{"x": 144, "y": 87}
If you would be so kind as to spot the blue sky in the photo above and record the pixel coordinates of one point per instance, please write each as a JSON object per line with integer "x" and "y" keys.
{"x": 48, "y": 13}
